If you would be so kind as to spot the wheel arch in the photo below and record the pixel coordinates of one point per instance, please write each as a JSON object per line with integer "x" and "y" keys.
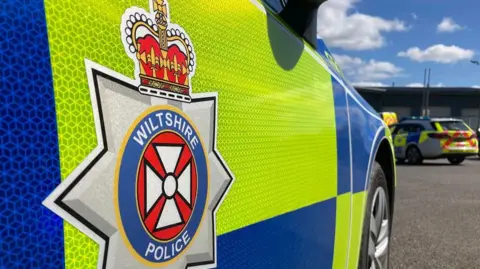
{"x": 386, "y": 158}
{"x": 412, "y": 144}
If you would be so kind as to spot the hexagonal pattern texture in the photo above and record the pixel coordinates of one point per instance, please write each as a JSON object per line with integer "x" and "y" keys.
{"x": 31, "y": 236}
{"x": 265, "y": 105}
{"x": 79, "y": 29}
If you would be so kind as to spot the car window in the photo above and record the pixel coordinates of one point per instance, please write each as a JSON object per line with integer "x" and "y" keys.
{"x": 416, "y": 128}
{"x": 395, "y": 129}
{"x": 275, "y": 5}
{"x": 407, "y": 128}
{"x": 453, "y": 125}
{"x": 399, "y": 129}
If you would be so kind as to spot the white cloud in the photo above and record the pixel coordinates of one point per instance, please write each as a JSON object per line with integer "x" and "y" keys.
{"x": 346, "y": 61}
{"x": 439, "y": 53}
{"x": 418, "y": 84}
{"x": 367, "y": 71}
{"x": 476, "y": 86}
{"x": 414, "y": 15}
{"x": 415, "y": 84}
{"x": 356, "y": 31}
{"x": 447, "y": 25}
{"x": 369, "y": 84}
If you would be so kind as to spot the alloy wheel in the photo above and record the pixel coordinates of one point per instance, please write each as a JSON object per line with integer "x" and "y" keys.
{"x": 379, "y": 231}
{"x": 413, "y": 155}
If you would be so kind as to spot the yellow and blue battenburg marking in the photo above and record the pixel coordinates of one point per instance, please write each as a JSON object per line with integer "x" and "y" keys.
{"x": 172, "y": 133}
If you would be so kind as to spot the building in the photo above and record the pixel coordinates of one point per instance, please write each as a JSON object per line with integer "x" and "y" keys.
{"x": 459, "y": 102}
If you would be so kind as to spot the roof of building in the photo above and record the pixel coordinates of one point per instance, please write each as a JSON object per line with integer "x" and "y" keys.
{"x": 371, "y": 89}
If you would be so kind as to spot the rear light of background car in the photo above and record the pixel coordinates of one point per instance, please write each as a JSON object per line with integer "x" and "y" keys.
{"x": 438, "y": 135}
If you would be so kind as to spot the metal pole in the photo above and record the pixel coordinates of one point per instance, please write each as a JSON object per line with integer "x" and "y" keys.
{"x": 428, "y": 93}
{"x": 478, "y": 118}
{"x": 428, "y": 78}
{"x": 423, "y": 91}
{"x": 478, "y": 111}
{"x": 425, "y": 77}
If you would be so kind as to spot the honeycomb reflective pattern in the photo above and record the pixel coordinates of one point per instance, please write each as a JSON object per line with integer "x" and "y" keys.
{"x": 79, "y": 29}
{"x": 265, "y": 130}
{"x": 31, "y": 236}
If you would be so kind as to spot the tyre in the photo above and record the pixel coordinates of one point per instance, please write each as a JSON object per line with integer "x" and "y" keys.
{"x": 400, "y": 160}
{"x": 456, "y": 160}
{"x": 414, "y": 156}
{"x": 375, "y": 244}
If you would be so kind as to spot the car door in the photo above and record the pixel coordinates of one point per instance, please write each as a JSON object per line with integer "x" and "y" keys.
{"x": 344, "y": 163}
{"x": 241, "y": 85}
{"x": 414, "y": 133}
{"x": 399, "y": 135}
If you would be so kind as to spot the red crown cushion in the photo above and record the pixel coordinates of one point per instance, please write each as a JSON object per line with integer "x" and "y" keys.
{"x": 145, "y": 46}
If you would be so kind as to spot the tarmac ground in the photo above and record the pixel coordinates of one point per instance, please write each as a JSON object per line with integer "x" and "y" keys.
{"x": 436, "y": 223}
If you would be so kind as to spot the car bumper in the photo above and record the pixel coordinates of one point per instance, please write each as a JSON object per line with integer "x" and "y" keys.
{"x": 461, "y": 150}
{"x": 439, "y": 153}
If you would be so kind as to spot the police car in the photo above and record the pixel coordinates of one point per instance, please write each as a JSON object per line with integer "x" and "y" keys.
{"x": 478, "y": 135}
{"x": 185, "y": 134}
{"x": 419, "y": 138}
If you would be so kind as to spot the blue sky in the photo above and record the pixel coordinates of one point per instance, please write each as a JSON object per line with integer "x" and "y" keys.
{"x": 379, "y": 42}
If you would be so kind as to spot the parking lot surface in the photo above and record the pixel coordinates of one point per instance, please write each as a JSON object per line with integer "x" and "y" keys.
{"x": 437, "y": 216}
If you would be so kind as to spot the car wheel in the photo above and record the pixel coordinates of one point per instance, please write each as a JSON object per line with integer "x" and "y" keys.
{"x": 375, "y": 246}
{"x": 413, "y": 155}
{"x": 400, "y": 160}
{"x": 456, "y": 160}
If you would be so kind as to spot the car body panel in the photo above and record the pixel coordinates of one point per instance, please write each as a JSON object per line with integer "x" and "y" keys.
{"x": 286, "y": 119}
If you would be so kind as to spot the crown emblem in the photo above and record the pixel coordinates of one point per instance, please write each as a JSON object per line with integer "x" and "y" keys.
{"x": 162, "y": 52}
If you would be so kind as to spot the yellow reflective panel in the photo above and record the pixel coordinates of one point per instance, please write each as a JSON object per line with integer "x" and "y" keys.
{"x": 276, "y": 123}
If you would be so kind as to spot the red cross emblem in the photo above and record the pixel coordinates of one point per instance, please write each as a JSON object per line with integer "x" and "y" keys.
{"x": 166, "y": 186}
